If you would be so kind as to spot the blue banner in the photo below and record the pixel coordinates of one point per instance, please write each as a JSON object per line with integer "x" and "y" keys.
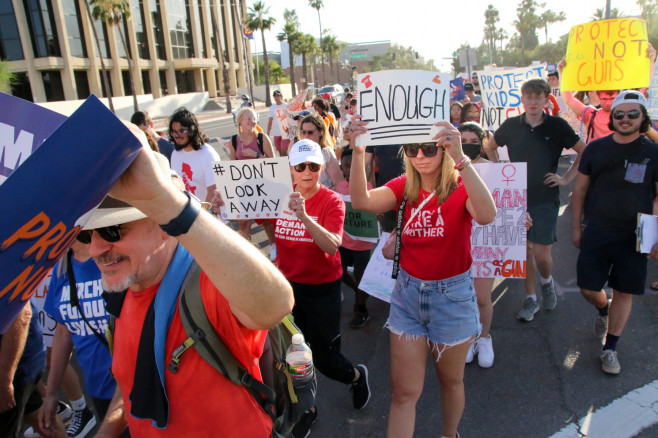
{"x": 23, "y": 128}
{"x": 46, "y": 197}
{"x": 457, "y": 89}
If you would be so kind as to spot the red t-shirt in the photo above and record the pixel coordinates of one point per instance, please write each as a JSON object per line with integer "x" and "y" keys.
{"x": 437, "y": 244}
{"x": 202, "y": 402}
{"x": 299, "y": 258}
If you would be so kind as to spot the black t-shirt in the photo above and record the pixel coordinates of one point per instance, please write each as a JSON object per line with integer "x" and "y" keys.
{"x": 540, "y": 147}
{"x": 335, "y": 110}
{"x": 626, "y": 188}
{"x": 390, "y": 160}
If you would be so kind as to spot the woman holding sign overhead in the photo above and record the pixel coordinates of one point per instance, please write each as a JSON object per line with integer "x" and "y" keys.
{"x": 433, "y": 303}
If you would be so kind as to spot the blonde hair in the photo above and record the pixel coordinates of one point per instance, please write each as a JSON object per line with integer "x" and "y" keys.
{"x": 446, "y": 182}
{"x": 319, "y": 124}
{"x": 242, "y": 112}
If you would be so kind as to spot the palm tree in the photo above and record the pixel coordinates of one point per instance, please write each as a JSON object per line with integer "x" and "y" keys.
{"x": 317, "y": 5}
{"x": 306, "y": 46}
{"x": 332, "y": 48}
{"x": 257, "y": 19}
{"x": 599, "y": 14}
{"x": 106, "y": 81}
{"x": 491, "y": 18}
{"x": 6, "y": 77}
{"x": 112, "y": 13}
{"x": 549, "y": 17}
{"x": 291, "y": 35}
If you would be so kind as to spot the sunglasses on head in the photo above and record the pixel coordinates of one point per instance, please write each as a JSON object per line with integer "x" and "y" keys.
{"x": 315, "y": 167}
{"x": 632, "y": 114}
{"x": 429, "y": 149}
{"x": 109, "y": 234}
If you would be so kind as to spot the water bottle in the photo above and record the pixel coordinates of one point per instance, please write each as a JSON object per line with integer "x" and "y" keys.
{"x": 300, "y": 361}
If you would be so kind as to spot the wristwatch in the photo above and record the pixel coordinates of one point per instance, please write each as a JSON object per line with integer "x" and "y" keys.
{"x": 181, "y": 224}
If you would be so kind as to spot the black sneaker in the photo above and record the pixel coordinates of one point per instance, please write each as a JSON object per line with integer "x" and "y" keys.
{"x": 64, "y": 411}
{"x": 360, "y": 319}
{"x": 360, "y": 389}
{"x": 303, "y": 427}
{"x": 81, "y": 424}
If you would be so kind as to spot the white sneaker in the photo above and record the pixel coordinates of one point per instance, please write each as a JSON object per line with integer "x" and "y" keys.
{"x": 472, "y": 351}
{"x": 273, "y": 252}
{"x": 485, "y": 352}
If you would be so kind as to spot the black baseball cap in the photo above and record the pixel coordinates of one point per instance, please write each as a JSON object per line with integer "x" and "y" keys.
{"x": 469, "y": 87}
{"x": 277, "y": 92}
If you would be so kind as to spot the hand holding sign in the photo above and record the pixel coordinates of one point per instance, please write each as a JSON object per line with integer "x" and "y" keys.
{"x": 296, "y": 204}
{"x": 450, "y": 139}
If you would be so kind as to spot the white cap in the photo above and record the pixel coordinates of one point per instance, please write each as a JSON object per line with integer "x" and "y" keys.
{"x": 298, "y": 338}
{"x": 629, "y": 96}
{"x": 305, "y": 150}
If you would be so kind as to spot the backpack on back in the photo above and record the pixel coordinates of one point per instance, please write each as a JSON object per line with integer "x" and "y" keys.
{"x": 259, "y": 140}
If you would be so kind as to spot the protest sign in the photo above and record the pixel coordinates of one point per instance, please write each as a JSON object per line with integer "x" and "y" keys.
{"x": 48, "y": 323}
{"x": 653, "y": 96}
{"x": 457, "y": 89}
{"x": 607, "y": 55}
{"x": 499, "y": 248}
{"x": 49, "y": 195}
{"x": 359, "y": 225}
{"x": 376, "y": 280}
{"x": 285, "y": 117}
{"x": 402, "y": 106}
{"x": 501, "y": 93}
{"x": 23, "y": 128}
{"x": 253, "y": 189}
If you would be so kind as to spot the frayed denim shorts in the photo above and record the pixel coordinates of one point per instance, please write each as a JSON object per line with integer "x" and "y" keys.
{"x": 444, "y": 311}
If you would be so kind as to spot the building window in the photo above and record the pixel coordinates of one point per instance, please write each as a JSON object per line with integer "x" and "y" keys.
{"x": 125, "y": 76}
{"x": 101, "y": 31}
{"x": 201, "y": 31}
{"x": 163, "y": 82}
{"x": 146, "y": 82}
{"x": 82, "y": 83}
{"x": 225, "y": 27}
{"x": 74, "y": 31}
{"x": 41, "y": 21}
{"x": 10, "y": 39}
{"x": 213, "y": 26}
{"x": 140, "y": 31}
{"x": 156, "y": 17}
{"x": 52, "y": 83}
{"x": 120, "y": 39}
{"x": 185, "y": 81}
{"x": 178, "y": 19}
{"x": 21, "y": 87}
{"x": 109, "y": 81}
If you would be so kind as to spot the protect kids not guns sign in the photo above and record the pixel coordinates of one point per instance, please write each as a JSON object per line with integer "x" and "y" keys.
{"x": 607, "y": 55}
{"x": 501, "y": 93}
{"x": 402, "y": 106}
{"x": 253, "y": 189}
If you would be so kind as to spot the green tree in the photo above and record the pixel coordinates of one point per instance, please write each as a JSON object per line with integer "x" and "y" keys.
{"x": 306, "y": 46}
{"x": 549, "y": 17}
{"x": 649, "y": 13}
{"x": 277, "y": 75}
{"x": 291, "y": 35}
{"x": 599, "y": 14}
{"x": 7, "y": 78}
{"x": 258, "y": 19}
{"x": 332, "y": 48}
{"x": 526, "y": 25}
{"x": 491, "y": 19}
{"x": 317, "y": 5}
{"x": 399, "y": 58}
{"x": 112, "y": 13}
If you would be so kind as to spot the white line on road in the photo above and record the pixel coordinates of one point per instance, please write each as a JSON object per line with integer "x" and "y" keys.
{"x": 623, "y": 418}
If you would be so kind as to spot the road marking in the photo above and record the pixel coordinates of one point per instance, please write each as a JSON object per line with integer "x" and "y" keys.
{"x": 623, "y": 418}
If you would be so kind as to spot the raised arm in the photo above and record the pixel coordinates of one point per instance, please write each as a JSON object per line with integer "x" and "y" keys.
{"x": 491, "y": 149}
{"x": 574, "y": 104}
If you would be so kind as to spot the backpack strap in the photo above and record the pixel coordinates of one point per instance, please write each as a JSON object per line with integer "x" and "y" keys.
{"x": 203, "y": 337}
{"x": 234, "y": 142}
{"x": 260, "y": 143}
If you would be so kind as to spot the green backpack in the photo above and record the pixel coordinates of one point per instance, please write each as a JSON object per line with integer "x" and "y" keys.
{"x": 284, "y": 403}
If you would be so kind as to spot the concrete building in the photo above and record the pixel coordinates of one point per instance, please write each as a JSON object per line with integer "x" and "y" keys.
{"x": 51, "y": 47}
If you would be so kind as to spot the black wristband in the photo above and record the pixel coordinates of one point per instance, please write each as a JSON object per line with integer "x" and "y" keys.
{"x": 181, "y": 224}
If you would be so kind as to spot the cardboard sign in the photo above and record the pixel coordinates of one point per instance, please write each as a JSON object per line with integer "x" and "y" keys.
{"x": 501, "y": 93}
{"x": 360, "y": 225}
{"x": 49, "y": 195}
{"x": 377, "y": 279}
{"x": 402, "y": 106}
{"x": 607, "y": 55}
{"x": 457, "y": 89}
{"x": 653, "y": 96}
{"x": 285, "y": 118}
{"x": 253, "y": 189}
{"x": 499, "y": 248}
{"x": 23, "y": 128}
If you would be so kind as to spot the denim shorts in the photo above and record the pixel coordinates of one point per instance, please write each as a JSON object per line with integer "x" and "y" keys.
{"x": 444, "y": 311}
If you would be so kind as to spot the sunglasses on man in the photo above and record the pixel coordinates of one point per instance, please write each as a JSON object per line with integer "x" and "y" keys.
{"x": 315, "y": 167}
{"x": 110, "y": 234}
{"x": 429, "y": 149}
{"x": 632, "y": 114}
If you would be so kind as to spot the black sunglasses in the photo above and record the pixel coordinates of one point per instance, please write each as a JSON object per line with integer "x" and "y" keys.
{"x": 109, "y": 234}
{"x": 429, "y": 149}
{"x": 315, "y": 167}
{"x": 632, "y": 114}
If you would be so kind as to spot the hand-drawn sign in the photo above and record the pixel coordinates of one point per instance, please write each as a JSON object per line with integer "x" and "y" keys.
{"x": 401, "y": 106}
{"x": 253, "y": 189}
{"x": 499, "y": 248}
{"x": 359, "y": 225}
{"x": 501, "y": 93}
{"x": 607, "y": 55}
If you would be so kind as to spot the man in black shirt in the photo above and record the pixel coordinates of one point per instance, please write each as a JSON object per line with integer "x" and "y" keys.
{"x": 617, "y": 179}
{"x": 538, "y": 139}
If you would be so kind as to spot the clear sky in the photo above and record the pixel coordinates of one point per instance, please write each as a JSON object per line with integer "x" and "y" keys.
{"x": 434, "y": 28}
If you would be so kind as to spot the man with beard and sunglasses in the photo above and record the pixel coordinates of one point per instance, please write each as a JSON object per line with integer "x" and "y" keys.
{"x": 538, "y": 139}
{"x": 617, "y": 179}
{"x": 144, "y": 237}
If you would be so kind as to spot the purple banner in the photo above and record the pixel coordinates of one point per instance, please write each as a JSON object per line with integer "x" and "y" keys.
{"x": 457, "y": 89}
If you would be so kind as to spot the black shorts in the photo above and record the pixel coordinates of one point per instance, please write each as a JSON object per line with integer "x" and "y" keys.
{"x": 358, "y": 259}
{"x": 606, "y": 256}
{"x": 544, "y": 223}
{"x": 27, "y": 400}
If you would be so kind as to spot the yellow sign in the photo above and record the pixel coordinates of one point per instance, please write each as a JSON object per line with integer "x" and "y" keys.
{"x": 607, "y": 55}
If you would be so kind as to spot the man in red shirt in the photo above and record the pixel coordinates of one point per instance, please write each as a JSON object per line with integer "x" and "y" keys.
{"x": 134, "y": 252}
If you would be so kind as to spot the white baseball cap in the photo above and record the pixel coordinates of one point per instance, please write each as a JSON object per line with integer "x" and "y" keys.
{"x": 305, "y": 150}
{"x": 629, "y": 96}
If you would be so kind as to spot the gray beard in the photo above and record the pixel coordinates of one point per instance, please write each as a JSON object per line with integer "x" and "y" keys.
{"x": 121, "y": 286}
